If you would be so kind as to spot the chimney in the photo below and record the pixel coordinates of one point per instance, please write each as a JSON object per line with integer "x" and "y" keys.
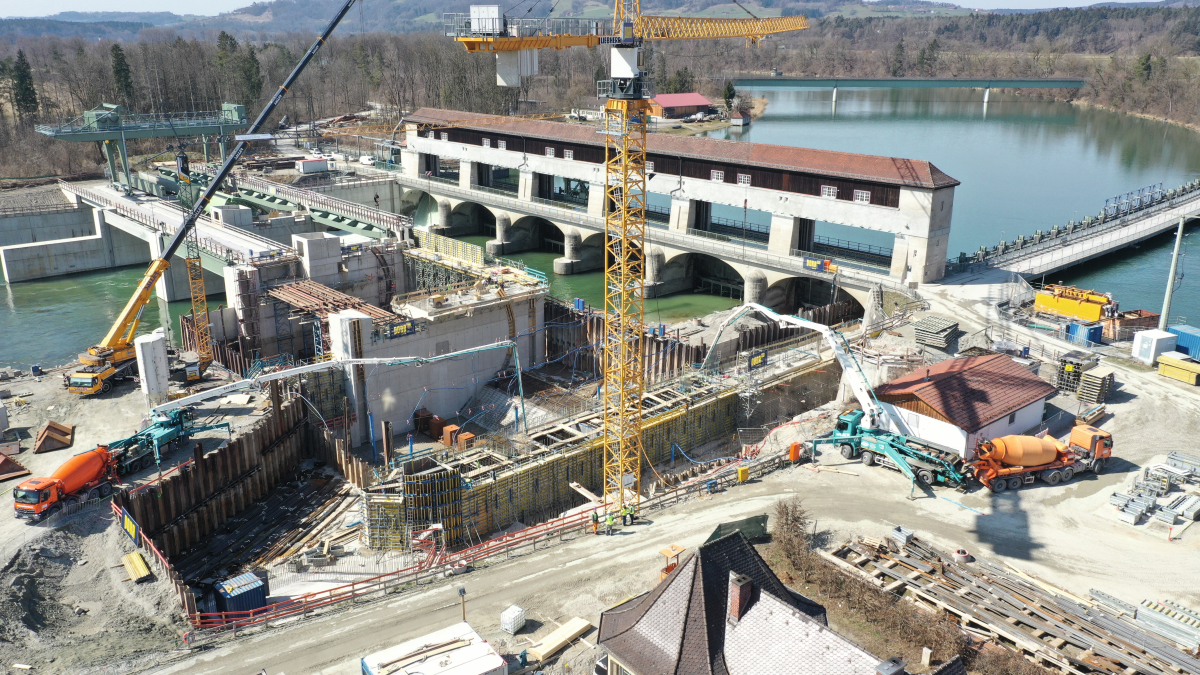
{"x": 926, "y": 374}
{"x": 740, "y": 587}
{"x": 892, "y": 666}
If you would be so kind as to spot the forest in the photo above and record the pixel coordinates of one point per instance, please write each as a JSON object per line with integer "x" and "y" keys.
{"x": 1136, "y": 60}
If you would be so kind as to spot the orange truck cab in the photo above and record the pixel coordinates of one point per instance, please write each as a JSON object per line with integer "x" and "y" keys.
{"x": 88, "y": 475}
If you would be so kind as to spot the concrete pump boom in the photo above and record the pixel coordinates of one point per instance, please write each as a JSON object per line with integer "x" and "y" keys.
{"x": 874, "y": 414}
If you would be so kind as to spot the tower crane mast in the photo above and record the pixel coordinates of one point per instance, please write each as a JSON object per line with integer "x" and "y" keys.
{"x": 628, "y": 92}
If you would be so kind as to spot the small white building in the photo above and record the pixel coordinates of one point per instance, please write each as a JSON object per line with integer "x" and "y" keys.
{"x": 739, "y": 119}
{"x": 454, "y": 650}
{"x": 958, "y": 402}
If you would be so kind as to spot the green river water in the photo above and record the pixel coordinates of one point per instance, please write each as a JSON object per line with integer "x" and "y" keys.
{"x": 1027, "y": 164}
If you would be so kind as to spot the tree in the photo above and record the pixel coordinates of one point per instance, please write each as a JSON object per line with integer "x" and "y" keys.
{"x": 122, "y": 77}
{"x": 249, "y": 76}
{"x": 681, "y": 81}
{"x": 729, "y": 94}
{"x": 897, "y": 65}
{"x": 25, "y": 100}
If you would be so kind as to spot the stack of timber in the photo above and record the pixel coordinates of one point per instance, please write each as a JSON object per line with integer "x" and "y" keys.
{"x": 1094, "y": 385}
{"x": 1179, "y": 366}
{"x": 322, "y": 527}
{"x": 1049, "y": 625}
{"x": 935, "y": 331}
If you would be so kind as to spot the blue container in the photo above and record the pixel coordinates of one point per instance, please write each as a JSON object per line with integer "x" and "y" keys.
{"x": 1188, "y": 340}
{"x": 241, "y": 594}
{"x": 579, "y": 304}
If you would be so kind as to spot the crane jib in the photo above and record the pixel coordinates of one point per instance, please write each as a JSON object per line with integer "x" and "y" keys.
{"x": 236, "y": 155}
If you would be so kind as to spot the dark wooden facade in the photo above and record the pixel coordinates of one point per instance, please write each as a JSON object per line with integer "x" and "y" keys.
{"x": 690, "y": 167}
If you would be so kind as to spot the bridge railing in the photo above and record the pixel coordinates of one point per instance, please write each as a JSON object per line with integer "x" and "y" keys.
{"x": 366, "y": 214}
{"x": 1057, "y": 238}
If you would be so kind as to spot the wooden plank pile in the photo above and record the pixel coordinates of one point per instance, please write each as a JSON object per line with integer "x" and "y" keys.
{"x": 935, "y": 331}
{"x": 1095, "y": 384}
{"x": 248, "y": 536}
{"x": 322, "y": 527}
{"x": 1049, "y": 625}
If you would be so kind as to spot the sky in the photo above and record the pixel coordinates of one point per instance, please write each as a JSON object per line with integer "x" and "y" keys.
{"x": 14, "y": 8}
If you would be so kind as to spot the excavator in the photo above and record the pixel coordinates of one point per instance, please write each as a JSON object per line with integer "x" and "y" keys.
{"x": 113, "y": 358}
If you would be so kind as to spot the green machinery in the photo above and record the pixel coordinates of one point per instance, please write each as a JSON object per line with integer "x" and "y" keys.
{"x": 112, "y": 126}
{"x": 920, "y": 460}
{"x": 168, "y": 431}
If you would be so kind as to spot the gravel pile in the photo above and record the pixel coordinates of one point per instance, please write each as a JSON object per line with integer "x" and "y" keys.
{"x": 65, "y": 606}
{"x": 33, "y": 197}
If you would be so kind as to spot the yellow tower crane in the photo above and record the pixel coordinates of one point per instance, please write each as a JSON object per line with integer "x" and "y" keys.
{"x": 628, "y": 92}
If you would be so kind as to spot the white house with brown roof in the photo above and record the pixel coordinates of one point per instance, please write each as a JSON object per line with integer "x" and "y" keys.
{"x": 960, "y": 401}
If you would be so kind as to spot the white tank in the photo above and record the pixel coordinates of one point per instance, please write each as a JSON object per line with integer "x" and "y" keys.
{"x": 153, "y": 366}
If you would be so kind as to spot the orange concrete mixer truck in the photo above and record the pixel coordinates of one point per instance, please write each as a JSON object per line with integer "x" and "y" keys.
{"x": 1009, "y": 462}
{"x": 85, "y": 476}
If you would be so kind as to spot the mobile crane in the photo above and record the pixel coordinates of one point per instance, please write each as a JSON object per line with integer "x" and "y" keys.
{"x": 114, "y": 355}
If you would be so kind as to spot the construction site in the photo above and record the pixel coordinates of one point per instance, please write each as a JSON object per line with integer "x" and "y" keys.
{"x": 391, "y": 450}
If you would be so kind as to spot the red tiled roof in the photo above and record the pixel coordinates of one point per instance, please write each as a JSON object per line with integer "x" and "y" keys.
{"x": 676, "y": 100}
{"x": 850, "y": 166}
{"x": 971, "y": 392}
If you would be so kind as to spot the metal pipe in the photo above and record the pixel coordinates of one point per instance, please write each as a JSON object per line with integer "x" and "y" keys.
{"x": 1163, "y": 318}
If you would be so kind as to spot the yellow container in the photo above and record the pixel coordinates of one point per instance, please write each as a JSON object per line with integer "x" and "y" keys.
{"x": 743, "y": 474}
{"x": 1178, "y": 374}
{"x": 1071, "y": 302}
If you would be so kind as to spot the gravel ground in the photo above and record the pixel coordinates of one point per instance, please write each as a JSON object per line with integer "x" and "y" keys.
{"x": 43, "y": 195}
{"x": 65, "y": 606}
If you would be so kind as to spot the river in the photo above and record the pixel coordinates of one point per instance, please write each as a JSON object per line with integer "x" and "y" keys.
{"x": 1028, "y": 164}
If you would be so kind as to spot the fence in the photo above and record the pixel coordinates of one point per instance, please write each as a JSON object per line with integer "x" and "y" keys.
{"x": 439, "y": 562}
{"x": 14, "y": 211}
{"x": 311, "y": 199}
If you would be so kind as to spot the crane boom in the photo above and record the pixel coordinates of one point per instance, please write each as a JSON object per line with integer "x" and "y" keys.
{"x": 875, "y": 415}
{"x": 117, "y": 344}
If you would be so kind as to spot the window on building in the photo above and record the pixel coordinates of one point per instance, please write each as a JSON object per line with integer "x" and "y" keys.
{"x": 829, "y": 191}
{"x": 743, "y": 179}
{"x": 503, "y": 145}
{"x": 568, "y": 154}
{"x": 718, "y": 176}
{"x": 649, "y": 167}
{"x": 549, "y": 152}
{"x": 862, "y": 196}
{"x": 487, "y": 142}
{"x": 433, "y": 134}
{"x": 1012, "y": 418}
{"x": 445, "y": 135}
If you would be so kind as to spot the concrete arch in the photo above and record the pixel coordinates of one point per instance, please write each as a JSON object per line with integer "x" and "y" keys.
{"x": 421, "y": 206}
{"x": 471, "y": 218}
{"x": 535, "y": 233}
{"x": 701, "y": 273}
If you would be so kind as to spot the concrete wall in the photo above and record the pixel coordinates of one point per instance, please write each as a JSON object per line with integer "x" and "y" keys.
{"x": 104, "y": 248}
{"x": 394, "y": 393}
{"x": 29, "y": 228}
{"x": 390, "y": 193}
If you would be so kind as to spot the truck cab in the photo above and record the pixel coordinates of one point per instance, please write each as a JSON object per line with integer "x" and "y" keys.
{"x": 1091, "y": 443}
{"x": 91, "y": 380}
{"x": 849, "y": 423}
{"x": 34, "y": 498}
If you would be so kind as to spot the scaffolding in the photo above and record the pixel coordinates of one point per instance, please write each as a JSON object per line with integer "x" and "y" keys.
{"x": 433, "y": 499}
{"x": 431, "y": 274}
{"x": 385, "y": 524}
